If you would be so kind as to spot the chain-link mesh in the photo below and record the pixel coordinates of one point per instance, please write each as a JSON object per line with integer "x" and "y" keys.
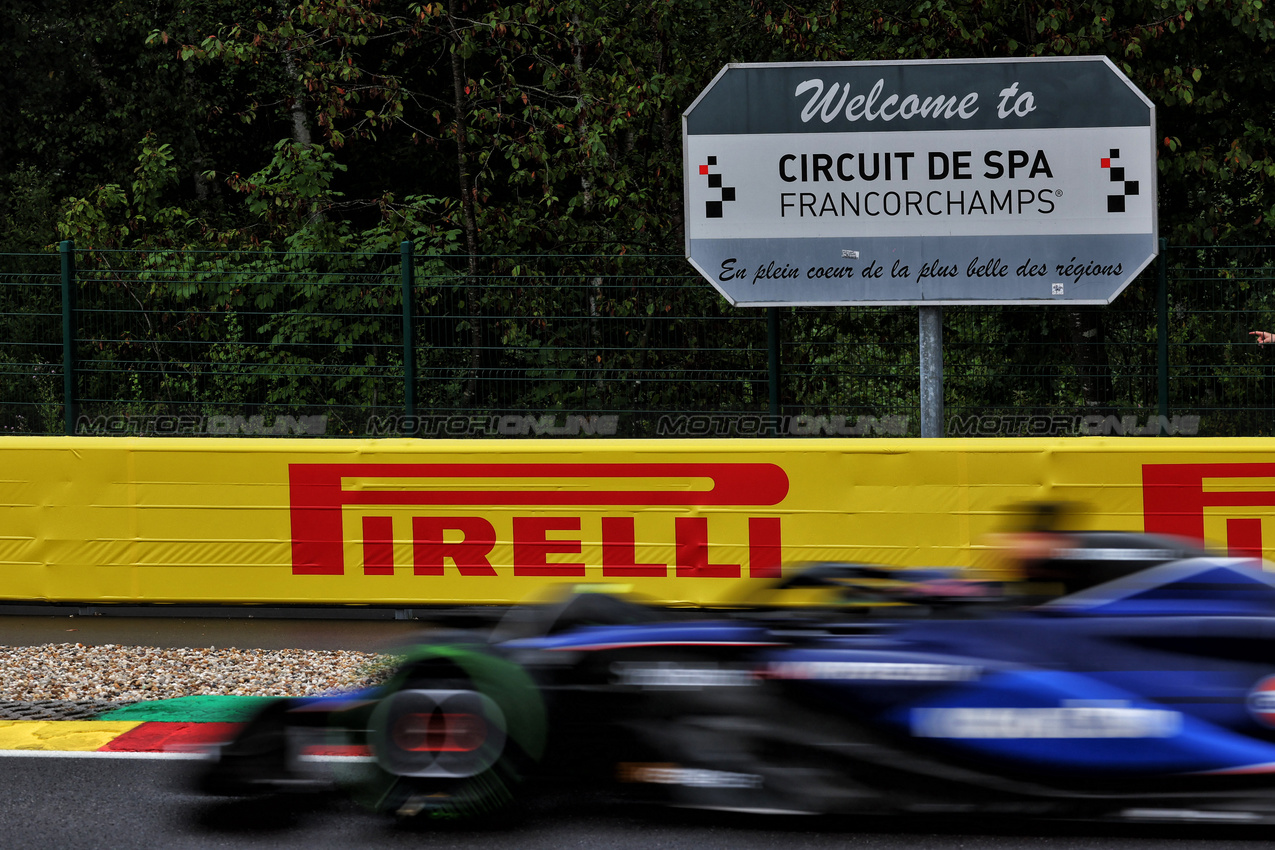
{"x": 261, "y": 343}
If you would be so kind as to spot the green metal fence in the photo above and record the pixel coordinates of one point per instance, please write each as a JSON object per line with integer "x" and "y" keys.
{"x": 380, "y": 344}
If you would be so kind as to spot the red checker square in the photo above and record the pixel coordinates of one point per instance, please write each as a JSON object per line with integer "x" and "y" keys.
{"x": 1106, "y": 162}
{"x": 703, "y": 169}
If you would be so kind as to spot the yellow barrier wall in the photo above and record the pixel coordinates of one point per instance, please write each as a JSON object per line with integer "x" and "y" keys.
{"x": 406, "y": 522}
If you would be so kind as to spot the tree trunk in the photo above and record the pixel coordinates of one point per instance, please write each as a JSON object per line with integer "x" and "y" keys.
{"x": 296, "y": 100}
{"x": 296, "y": 109}
{"x": 469, "y": 220}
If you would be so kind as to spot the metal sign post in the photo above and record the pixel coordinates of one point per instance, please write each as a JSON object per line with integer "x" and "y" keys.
{"x": 930, "y": 331}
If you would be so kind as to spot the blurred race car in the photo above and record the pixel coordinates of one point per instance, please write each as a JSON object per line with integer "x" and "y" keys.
{"x": 1147, "y": 691}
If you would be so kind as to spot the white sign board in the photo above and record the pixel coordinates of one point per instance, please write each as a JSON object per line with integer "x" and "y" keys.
{"x": 951, "y": 182}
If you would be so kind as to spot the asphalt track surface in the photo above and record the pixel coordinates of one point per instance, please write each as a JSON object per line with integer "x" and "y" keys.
{"x": 69, "y": 801}
{"x": 103, "y": 803}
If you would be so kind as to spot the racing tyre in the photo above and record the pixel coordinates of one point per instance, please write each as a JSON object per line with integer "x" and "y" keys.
{"x": 457, "y": 732}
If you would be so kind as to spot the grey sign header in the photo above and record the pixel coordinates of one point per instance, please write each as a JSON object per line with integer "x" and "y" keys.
{"x": 762, "y": 98}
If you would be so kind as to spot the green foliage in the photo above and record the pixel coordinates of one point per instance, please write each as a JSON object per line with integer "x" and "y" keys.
{"x": 533, "y": 125}
{"x": 273, "y": 153}
{"x": 112, "y": 217}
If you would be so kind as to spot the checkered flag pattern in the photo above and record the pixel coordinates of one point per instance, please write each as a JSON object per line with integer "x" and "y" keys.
{"x": 713, "y": 209}
{"x": 1115, "y": 202}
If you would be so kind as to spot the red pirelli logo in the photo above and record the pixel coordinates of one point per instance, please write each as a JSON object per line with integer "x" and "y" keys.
{"x": 1175, "y": 497}
{"x": 319, "y": 493}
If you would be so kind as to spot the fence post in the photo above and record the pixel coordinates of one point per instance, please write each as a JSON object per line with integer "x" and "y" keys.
{"x": 1162, "y": 335}
{"x": 409, "y": 326}
{"x": 66, "y": 249}
{"x": 772, "y": 357}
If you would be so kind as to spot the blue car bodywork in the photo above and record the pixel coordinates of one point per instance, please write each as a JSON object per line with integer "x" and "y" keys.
{"x": 1147, "y": 692}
